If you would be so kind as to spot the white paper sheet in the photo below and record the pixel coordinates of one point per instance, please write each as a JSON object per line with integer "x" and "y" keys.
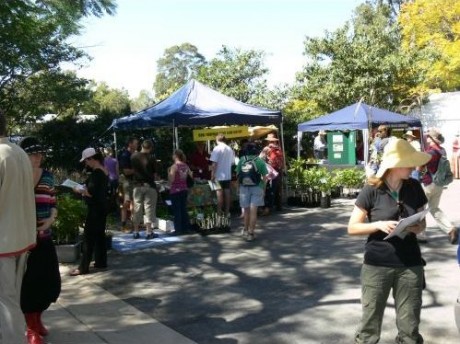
{"x": 400, "y": 230}
{"x": 71, "y": 184}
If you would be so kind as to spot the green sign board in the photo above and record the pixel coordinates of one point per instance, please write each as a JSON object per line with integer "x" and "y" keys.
{"x": 341, "y": 148}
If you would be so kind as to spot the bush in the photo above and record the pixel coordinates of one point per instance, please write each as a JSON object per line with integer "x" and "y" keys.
{"x": 71, "y": 216}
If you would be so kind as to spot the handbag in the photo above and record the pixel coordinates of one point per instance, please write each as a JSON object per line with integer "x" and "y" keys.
{"x": 190, "y": 181}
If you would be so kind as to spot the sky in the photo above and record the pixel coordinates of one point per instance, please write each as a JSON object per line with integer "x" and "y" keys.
{"x": 125, "y": 47}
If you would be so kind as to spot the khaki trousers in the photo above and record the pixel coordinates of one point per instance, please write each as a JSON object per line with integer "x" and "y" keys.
{"x": 406, "y": 284}
{"x": 12, "y": 323}
{"x": 433, "y": 193}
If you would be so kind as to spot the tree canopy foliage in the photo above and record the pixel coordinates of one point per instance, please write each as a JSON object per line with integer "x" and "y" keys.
{"x": 235, "y": 72}
{"x": 360, "y": 61}
{"x": 432, "y": 27}
{"x": 34, "y": 38}
{"x": 179, "y": 64}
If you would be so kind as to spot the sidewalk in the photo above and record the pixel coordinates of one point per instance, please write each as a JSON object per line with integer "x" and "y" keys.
{"x": 297, "y": 283}
{"x": 87, "y": 314}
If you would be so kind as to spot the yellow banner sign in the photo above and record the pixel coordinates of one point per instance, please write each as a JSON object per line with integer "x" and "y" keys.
{"x": 209, "y": 134}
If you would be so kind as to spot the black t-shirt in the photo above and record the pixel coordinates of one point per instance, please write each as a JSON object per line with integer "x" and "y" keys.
{"x": 144, "y": 166}
{"x": 381, "y": 206}
{"x": 97, "y": 185}
{"x": 124, "y": 161}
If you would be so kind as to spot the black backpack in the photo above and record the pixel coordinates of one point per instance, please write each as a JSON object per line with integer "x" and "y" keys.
{"x": 249, "y": 176}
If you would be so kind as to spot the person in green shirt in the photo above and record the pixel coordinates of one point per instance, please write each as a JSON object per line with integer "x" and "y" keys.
{"x": 251, "y": 172}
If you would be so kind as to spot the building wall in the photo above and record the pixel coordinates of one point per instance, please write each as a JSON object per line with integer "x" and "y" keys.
{"x": 443, "y": 112}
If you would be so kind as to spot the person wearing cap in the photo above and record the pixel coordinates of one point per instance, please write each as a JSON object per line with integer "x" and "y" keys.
{"x": 394, "y": 263}
{"x": 41, "y": 284}
{"x": 95, "y": 196}
{"x": 251, "y": 197}
{"x": 412, "y": 139}
{"x": 275, "y": 158}
{"x": 320, "y": 145}
{"x": 433, "y": 192}
{"x": 222, "y": 159}
{"x": 18, "y": 228}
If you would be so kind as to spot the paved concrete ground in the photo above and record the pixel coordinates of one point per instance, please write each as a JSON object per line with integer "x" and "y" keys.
{"x": 297, "y": 283}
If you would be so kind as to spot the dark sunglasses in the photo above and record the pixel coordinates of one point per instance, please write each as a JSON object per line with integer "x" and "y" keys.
{"x": 402, "y": 211}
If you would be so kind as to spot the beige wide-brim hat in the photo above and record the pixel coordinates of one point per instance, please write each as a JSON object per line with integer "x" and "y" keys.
{"x": 271, "y": 137}
{"x": 400, "y": 153}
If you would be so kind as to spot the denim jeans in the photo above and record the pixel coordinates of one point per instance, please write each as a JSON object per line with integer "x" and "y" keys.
{"x": 179, "y": 206}
{"x": 406, "y": 284}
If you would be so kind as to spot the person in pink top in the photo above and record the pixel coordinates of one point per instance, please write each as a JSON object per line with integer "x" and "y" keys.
{"x": 178, "y": 192}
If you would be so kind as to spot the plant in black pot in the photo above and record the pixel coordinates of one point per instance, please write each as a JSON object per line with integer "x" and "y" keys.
{"x": 66, "y": 229}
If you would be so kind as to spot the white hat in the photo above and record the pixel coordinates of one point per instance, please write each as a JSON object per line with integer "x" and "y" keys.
{"x": 87, "y": 153}
{"x": 400, "y": 153}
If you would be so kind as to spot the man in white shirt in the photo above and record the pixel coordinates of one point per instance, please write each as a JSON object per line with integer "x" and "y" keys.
{"x": 18, "y": 233}
{"x": 320, "y": 145}
{"x": 222, "y": 158}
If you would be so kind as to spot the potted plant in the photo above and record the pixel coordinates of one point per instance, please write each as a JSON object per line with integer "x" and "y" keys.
{"x": 66, "y": 229}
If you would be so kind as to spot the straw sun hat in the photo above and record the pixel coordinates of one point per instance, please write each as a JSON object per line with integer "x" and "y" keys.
{"x": 271, "y": 137}
{"x": 400, "y": 153}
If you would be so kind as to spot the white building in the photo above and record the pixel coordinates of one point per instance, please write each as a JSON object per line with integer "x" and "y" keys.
{"x": 443, "y": 112}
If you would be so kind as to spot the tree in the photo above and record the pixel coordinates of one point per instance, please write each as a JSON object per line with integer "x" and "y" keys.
{"x": 433, "y": 28}
{"x": 143, "y": 100}
{"x": 236, "y": 73}
{"x": 179, "y": 64}
{"x": 360, "y": 61}
{"x": 48, "y": 92}
{"x": 34, "y": 38}
{"x": 107, "y": 100}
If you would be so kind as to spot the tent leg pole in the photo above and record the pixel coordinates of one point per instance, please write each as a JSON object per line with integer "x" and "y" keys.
{"x": 115, "y": 144}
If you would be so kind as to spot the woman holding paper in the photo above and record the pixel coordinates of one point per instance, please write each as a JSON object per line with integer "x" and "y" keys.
{"x": 95, "y": 195}
{"x": 394, "y": 263}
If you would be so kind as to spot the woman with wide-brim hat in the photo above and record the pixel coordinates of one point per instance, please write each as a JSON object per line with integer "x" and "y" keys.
{"x": 395, "y": 263}
{"x": 41, "y": 284}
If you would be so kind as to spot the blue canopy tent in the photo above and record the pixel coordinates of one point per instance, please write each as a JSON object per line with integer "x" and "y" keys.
{"x": 195, "y": 104}
{"x": 359, "y": 116}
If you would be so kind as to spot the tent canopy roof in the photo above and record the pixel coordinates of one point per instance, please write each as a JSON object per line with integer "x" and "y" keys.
{"x": 195, "y": 104}
{"x": 357, "y": 116}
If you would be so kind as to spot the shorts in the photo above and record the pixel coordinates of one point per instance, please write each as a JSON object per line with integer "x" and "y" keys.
{"x": 251, "y": 196}
{"x": 127, "y": 190}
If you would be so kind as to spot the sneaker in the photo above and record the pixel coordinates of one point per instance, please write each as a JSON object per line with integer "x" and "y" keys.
{"x": 136, "y": 235}
{"x": 250, "y": 237}
{"x": 151, "y": 236}
{"x": 453, "y": 236}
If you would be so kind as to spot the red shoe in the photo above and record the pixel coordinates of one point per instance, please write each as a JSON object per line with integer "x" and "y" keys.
{"x": 42, "y": 330}
{"x": 33, "y": 337}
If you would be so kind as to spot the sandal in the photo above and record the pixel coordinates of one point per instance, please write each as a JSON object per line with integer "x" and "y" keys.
{"x": 75, "y": 272}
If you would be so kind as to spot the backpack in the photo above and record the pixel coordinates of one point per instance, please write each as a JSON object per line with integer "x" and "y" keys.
{"x": 275, "y": 158}
{"x": 443, "y": 175}
{"x": 249, "y": 176}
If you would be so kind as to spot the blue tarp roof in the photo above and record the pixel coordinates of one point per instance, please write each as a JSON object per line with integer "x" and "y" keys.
{"x": 195, "y": 104}
{"x": 358, "y": 116}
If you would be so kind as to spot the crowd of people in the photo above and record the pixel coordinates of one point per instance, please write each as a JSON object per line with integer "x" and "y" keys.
{"x": 403, "y": 185}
